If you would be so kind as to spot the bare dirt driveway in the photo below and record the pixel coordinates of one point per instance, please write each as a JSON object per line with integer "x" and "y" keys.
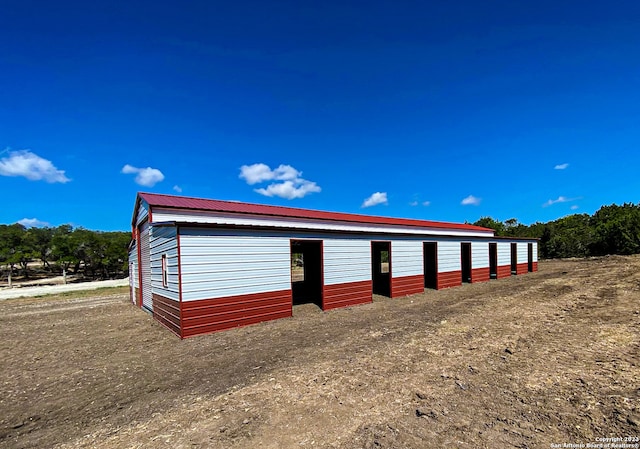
{"x": 39, "y": 290}
{"x": 547, "y": 358}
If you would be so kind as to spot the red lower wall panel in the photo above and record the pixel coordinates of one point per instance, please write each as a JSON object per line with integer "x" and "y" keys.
{"x": 347, "y": 294}
{"x": 523, "y": 268}
{"x": 407, "y": 285}
{"x": 167, "y": 312}
{"x": 480, "y": 274}
{"x": 449, "y": 279}
{"x": 535, "y": 266}
{"x": 504, "y": 271}
{"x": 212, "y": 315}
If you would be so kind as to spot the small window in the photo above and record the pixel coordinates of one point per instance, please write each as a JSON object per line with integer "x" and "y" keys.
{"x": 384, "y": 261}
{"x": 165, "y": 274}
{"x": 297, "y": 267}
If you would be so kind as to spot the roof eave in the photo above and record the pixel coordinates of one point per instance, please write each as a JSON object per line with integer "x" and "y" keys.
{"x": 431, "y": 224}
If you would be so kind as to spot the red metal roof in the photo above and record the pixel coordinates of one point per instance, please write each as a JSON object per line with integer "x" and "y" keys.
{"x": 183, "y": 202}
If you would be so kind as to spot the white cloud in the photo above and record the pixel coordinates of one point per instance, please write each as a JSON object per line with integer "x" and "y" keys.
{"x": 561, "y": 166}
{"x": 128, "y": 169}
{"x": 31, "y": 166}
{"x": 376, "y": 198}
{"x": 257, "y": 173}
{"x": 418, "y": 203}
{"x": 575, "y": 207}
{"x": 413, "y": 203}
{"x": 147, "y": 177}
{"x": 292, "y": 184}
{"x": 290, "y": 189}
{"x": 426, "y": 203}
{"x": 33, "y": 223}
{"x": 177, "y": 188}
{"x": 471, "y": 201}
{"x": 286, "y": 173}
{"x": 560, "y": 199}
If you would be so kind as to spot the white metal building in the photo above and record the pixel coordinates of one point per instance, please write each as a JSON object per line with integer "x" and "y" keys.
{"x": 203, "y": 265}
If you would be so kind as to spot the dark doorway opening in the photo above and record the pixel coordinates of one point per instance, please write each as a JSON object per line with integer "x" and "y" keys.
{"x": 493, "y": 261}
{"x": 530, "y": 257}
{"x": 306, "y": 272}
{"x": 381, "y": 268}
{"x": 465, "y": 256}
{"x": 514, "y": 258}
{"x": 430, "y": 256}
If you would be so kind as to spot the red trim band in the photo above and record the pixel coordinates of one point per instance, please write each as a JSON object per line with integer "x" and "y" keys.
{"x": 480, "y": 274}
{"x": 407, "y": 285}
{"x": 504, "y": 271}
{"x": 347, "y": 294}
{"x": 212, "y": 315}
{"x": 167, "y": 312}
{"x": 449, "y": 279}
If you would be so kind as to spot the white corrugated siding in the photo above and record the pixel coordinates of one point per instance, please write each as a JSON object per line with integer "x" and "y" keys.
{"x": 504, "y": 253}
{"x": 346, "y": 260}
{"x": 219, "y": 263}
{"x": 449, "y": 256}
{"x": 145, "y": 267}
{"x": 133, "y": 271}
{"x": 535, "y": 251}
{"x": 143, "y": 212}
{"x": 479, "y": 254}
{"x": 523, "y": 252}
{"x": 406, "y": 258}
{"x": 163, "y": 241}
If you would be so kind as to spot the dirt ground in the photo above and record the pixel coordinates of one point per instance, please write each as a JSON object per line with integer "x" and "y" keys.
{"x": 537, "y": 360}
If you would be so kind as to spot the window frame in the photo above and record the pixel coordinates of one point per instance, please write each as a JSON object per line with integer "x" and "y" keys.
{"x": 165, "y": 272}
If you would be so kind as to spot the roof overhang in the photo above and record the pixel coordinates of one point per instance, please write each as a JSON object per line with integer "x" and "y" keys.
{"x": 280, "y": 229}
{"x": 216, "y": 208}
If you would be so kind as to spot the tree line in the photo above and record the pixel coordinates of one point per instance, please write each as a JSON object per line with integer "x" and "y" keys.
{"x": 610, "y": 230}
{"x": 63, "y": 249}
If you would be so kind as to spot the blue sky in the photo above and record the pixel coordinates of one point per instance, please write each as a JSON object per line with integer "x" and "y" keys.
{"x": 434, "y": 110}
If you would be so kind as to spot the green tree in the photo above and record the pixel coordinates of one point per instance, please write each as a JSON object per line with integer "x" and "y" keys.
{"x": 10, "y": 239}
{"x": 488, "y": 222}
{"x": 570, "y": 236}
{"x": 63, "y": 248}
{"x": 87, "y": 250}
{"x": 115, "y": 260}
{"x": 617, "y": 229}
{"x": 16, "y": 248}
{"x": 515, "y": 229}
{"x": 40, "y": 241}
